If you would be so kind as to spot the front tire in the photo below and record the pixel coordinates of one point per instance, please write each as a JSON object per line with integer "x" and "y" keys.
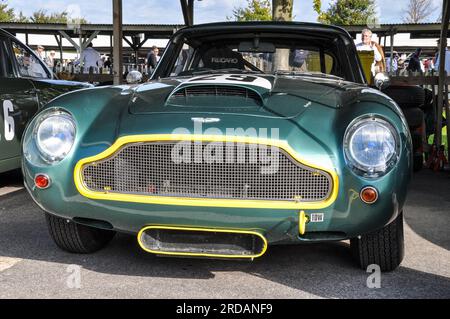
{"x": 384, "y": 247}
{"x": 77, "y": 238}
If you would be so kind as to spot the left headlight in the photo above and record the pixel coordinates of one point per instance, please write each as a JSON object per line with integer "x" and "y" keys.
{"x": 54, "y": 135}
{"x": 371, "y": 146}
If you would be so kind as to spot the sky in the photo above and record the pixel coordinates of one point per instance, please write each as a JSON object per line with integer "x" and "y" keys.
{"x": 169, "y": 11}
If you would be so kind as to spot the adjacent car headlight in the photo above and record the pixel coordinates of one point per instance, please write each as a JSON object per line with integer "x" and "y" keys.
{"x": 54, "y": 135}
{"x": 371, "y": 146}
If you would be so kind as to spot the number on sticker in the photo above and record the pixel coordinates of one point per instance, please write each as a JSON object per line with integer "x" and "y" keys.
{"x": 8, "y": 108}
{"x": 242, "y": 78}
{"x": 316, "y": 218}
{"x": 233, "y": 79}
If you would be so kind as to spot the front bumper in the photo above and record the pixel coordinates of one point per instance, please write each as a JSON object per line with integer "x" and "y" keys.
{"x": 347, "y": 217}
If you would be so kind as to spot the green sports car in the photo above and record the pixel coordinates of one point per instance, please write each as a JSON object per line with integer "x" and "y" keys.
{"x": 247, "y": 135}
{"x": 26, "y": 85}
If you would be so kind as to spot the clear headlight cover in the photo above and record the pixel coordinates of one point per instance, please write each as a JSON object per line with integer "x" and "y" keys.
{"x": 371, "y": 146}
{"x": 55, "y": 135}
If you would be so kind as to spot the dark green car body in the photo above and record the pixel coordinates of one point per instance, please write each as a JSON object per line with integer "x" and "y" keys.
{"x": 311, "y": 114}
{"x": 21, "y": 97}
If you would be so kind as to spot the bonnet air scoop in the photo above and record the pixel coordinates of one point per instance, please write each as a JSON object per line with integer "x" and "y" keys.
{"x": 237, "y": 94}
{"x": 218, "y": 95}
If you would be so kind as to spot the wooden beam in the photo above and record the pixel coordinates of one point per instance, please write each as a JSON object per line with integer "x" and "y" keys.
{"x": 118, "y": 46}
{"x": 416, "y": 80}
{"x": 391, "y": 60}
{"x": 187, "y": 7}
{"x": 442, "y": 74}
{"x": 129, "y": 43}
{"x": 111, "y": 46}
{"x": 191, "y": 11}
{"x": 81, "y": 40}
{"x": 89, "y": 40}
{"x": 142, "y": 43}
{"x": 59, "y": 42}
{"x": 66, "y": 36}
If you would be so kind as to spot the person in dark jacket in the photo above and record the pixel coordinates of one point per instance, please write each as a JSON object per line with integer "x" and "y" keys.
{"x": 108, "y": 63}
{"x": 414, "y": 62}
{"x": 152, "y": 57}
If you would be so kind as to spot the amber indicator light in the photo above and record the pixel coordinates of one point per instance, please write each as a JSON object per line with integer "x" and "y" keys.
{"x": 369, "y": 195}
{"x": 42, "y": 181}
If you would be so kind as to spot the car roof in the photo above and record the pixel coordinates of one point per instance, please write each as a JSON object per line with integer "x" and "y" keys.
{"x": 283, "y": 26}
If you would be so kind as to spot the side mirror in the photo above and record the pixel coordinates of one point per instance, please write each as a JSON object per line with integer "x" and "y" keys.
{"x": 134, "y": 77}
{"x": 381, "y": 80}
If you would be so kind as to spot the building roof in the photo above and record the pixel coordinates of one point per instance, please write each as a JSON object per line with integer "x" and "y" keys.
{"x": 419, "y": 30}
{"x": 150, "y": 30}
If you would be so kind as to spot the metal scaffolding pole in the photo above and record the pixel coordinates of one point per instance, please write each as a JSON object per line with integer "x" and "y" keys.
{"x": 187, "y": 6}
{"x": 118, "y": 36}
{"x": 442, "y": 75}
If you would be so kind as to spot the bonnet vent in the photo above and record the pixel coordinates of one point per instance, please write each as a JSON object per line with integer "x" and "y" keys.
{"x": 217, "y": 91}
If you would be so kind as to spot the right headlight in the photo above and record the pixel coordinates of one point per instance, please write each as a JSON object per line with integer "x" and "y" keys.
{"x": 54, "y": 135}
{"x": 371, "y": 146}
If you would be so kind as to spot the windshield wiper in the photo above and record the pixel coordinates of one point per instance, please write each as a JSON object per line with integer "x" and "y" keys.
{"x": 307, "y": 74}
{"x": 234, "y": 70}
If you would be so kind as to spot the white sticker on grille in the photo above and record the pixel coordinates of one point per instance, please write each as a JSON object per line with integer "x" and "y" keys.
{"x": 316, "y": 218}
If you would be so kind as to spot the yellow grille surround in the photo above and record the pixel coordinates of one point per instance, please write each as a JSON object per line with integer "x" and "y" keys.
{"x": 204, "y": 202}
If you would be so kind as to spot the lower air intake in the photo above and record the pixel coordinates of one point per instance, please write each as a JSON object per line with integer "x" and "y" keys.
{"x": 197, "y": 242}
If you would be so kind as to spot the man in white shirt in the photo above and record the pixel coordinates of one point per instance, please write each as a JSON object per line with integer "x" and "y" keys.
{"x": 50, "y": 60}
{"x": 90, "y": 58}
{"x": 367, "y": 45}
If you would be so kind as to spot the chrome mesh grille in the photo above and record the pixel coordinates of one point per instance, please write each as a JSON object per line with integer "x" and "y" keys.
{"x": 235, "y": 171}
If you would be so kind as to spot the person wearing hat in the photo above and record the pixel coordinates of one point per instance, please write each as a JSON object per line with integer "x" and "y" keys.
{"x": 40, "y": 52}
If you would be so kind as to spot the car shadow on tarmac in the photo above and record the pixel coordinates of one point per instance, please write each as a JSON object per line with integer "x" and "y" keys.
{"x": 325, "y": 270}
{"x": 11, "y": 179}
{"x": 428, "y": 207}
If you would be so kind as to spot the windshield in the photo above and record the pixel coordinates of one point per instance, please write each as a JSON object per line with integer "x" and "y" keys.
{"x": 259, "y": 54}
{"x": 228, "y": 58}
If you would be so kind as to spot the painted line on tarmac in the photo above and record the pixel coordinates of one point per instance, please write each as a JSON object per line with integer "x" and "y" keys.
{"x": 8, "y": 262}
{"x": 9, "y": 190}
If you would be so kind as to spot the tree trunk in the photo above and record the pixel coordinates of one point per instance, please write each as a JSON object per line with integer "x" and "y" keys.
{"x": 281, "y": 11}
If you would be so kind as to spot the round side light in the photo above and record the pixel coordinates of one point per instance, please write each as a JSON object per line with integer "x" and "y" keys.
{"x": 369, "y": 195}
{"x": 42, "y": 181}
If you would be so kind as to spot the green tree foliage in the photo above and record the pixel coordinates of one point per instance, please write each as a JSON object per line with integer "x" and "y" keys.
{"x": 6, "y": 14}
{"x": 346, "y": 12}
{"x": 21, "y": 18}
{"x": 41, "y": 16}
{"x": 256, "y": 10}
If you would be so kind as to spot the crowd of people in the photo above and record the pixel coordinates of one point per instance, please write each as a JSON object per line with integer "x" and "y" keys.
{"x": 90, "y": 60}
{"x": 400, "y": 64}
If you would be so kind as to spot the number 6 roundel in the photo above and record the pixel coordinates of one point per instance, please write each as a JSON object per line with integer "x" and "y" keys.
{"x": 9, "y": 120}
